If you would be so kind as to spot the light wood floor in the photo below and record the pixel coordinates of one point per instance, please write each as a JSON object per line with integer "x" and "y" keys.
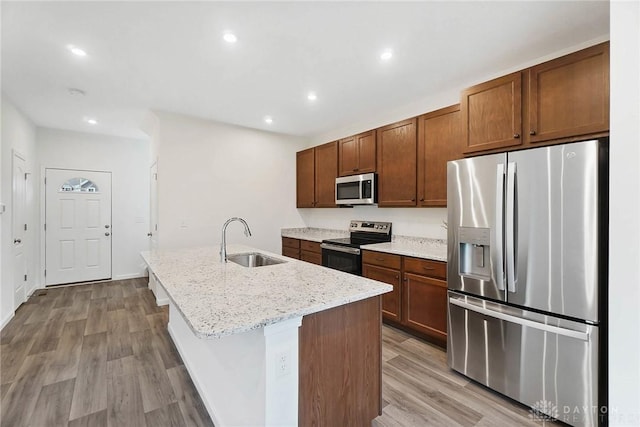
{"x": 100, "y": 355}
{"x": 94, "y": 355}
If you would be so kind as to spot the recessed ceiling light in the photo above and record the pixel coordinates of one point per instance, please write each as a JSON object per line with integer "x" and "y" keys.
{"x": 312, "y": 96}
{"x": 76, "y": 50}
{"x": 386, "y": 55}
{"x": 90, "y": 120}
{"x": 76, "y": 92}
{"x": 268, "y": 120}
{"x": 230, "y": 37}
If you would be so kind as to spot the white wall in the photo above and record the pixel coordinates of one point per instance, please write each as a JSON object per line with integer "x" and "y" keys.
{"x": 128, "y": 161}
{"x": 18, "y": 133}
{"x": 209, "y": 172}
{"x": 624, "y": 257}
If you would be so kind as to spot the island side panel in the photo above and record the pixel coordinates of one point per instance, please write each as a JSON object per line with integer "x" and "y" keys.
{"x": 341, "y": 365}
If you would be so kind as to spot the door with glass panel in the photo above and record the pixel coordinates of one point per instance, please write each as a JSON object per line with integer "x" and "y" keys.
{"x": 77, "y": 226}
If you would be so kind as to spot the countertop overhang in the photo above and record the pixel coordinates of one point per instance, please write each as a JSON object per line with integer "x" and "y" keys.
{"x": 220, "y": 299}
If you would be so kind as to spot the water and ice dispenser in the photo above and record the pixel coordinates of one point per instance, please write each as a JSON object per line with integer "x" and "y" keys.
{"x": 474, "y": 253}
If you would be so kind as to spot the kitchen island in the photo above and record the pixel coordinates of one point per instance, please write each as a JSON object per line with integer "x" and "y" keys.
{"x": 285, "y": 344}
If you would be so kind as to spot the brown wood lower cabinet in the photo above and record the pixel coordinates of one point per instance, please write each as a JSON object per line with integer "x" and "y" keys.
{"x": 418, "y": 301}
{"x": 340, "y": 372}
{"x": 304, "y": 250}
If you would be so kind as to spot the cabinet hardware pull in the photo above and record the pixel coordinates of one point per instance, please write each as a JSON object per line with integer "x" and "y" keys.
{"x": 516, "y": 135}
{"x": 413, "y": 200}
{"x": 533, "y": 132}
{"x": 355, "y": 169}
{"x": 397, "y": 277}
{"x": 379, "y": 259}
{"x": 428, "y": 268}
{"x": 405, "y": 279}
{"x": 422, "y": 200}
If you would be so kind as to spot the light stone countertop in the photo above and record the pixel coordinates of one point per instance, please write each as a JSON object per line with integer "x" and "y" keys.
{"x": 419, "y": 247}
{"x": 313, "y": 234}
{"x": 219, "y": 299}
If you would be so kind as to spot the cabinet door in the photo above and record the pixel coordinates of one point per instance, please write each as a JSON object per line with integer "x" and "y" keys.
{"x": 312, "y": 257}
{"x": 366, "y": 152}
{"x": 348, "y": 156}
{"x": 425, "y": 305}
{"x": 569, "y": 96}
{"x": 291, "y": 252}
{"x": 439, "y": 141}
{"x": 397, "y": 154}
{"x": 305, "y": 176}
{"x": 326, "y": 166}
{"x": 492, "y": 114}
{"x": 390, "y": 300}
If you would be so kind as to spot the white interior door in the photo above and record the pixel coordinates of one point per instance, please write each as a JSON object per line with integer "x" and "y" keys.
{"x": 153, "y": 205}
{"x": 77, "y": 226}
{"x": 19, "y": 225}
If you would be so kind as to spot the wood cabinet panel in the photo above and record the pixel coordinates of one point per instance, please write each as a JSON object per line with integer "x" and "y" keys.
{"x": 308, "y": 245}
{"x": 382, "y": 259}
{"x": 426, "y": 267}
{"x": 397, "y": 158}
{"x": 439, "y": 141}
{"x": 569, "y": 96}
{"x": 291, "y": 252}
{"x": 312, "y": 257}
{"x": 492, "y": 114}
{"x": 425, "y": 305}
{"x": 305, "y": 178}
{"x": 290, "y": 242}
{"x": 326, "y": 171}
{"x": 357, "y": 154}
{"x": 340, "y": 372}
{"x": 391, "y": 300}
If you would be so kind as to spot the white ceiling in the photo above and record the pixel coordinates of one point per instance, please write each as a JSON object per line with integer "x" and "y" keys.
{"x": 170, "y": 56}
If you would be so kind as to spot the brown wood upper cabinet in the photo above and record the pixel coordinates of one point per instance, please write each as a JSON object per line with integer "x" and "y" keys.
{"x": 397, "y": 158}
{"x": 558, "y": 100}
{"x": 492, "y": 114}
{"x": 357, "y": 154}
{"x": 569, "y": 96}
{"x": 316, "y": 172}
{"x": 439, "y": 141}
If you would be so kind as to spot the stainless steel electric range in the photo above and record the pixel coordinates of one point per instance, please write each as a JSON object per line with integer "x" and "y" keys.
{"x": 344, "y": 254}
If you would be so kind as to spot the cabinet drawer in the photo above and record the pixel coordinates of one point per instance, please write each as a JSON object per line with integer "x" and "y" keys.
{"x": 310, "y": 246}
{"x": 288, "y": 242}
{"x": 382, "y": 259}
{"x": 426, "y": 267}
{"x": 291, "y": 252}
{"x": 312, "y": 257}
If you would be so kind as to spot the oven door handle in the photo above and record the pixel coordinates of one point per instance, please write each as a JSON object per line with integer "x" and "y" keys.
{"x": 345, "y": 249}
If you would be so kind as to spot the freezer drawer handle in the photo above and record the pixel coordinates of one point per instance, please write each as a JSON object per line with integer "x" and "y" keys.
{"x": 583, "y": 336}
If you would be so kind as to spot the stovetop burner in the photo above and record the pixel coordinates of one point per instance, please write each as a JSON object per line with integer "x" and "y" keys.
{"x": 364, "y": 233}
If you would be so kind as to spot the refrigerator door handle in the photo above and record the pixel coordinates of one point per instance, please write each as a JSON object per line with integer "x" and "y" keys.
{"x": 510, "y": 219}
{"x": 583, "y": 336}
{"x": 498, "y": 259}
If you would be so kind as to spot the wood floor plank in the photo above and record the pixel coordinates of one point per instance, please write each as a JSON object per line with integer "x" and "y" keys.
{"x": 64, "y": 298}
{"x": 162, "y": 341}
{"x": 167, "y": 416}
{"x": 4, "y": 388}
{"x": 100, "y": 290}
{"x": 14, "y": 327}
{"x": 191, "y": 407}
{"x": 122, "y": 366}
{"x": 97, "y": 419}
{"x": 135, "y": 314}
{"x": 79, "y": 310}
{"x": 154, "y": 382}
{"x": 13, "y": 355}
{"x": 45, "y": 305}
{"x": 90, "y": 393}
{"x": 118, "y": 338}
{"x": 97, "y": 316}
{"x": 53, "y": 405}
{"x": 20, "y": 400}
{"x": 47, "y": 338}
{"x": 65, "y": 360}
{"x": 124, "y": 402}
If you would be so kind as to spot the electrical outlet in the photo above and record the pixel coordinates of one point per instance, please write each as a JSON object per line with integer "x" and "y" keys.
{"x": 283, "y": 364}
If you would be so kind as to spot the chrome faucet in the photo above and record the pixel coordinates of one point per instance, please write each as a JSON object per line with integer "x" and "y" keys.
{"x": 223, "y": 244}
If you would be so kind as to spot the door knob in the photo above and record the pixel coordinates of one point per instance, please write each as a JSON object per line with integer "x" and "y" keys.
{"x": 149, "y": 234}
{"x": 17, "y": 241}
{"x": 107, "y": 234}
{"x": 107, "y": 226}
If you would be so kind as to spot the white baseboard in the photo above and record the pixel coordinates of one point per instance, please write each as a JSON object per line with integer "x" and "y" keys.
{"x": 7, "y": 319}
{"x": 129, "y": 276}
{"x": 161, "y": 302}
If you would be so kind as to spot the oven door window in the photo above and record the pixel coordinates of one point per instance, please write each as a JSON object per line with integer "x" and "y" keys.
{"x": 348, "y": 190}
{"x": 348, "y": 263}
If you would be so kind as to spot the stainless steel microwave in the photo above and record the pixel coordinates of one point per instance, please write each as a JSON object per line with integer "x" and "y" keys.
{"x": 356, "y": 190}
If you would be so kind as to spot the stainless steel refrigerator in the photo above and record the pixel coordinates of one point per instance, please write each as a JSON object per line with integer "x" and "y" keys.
{"x": 527, "y": 261}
